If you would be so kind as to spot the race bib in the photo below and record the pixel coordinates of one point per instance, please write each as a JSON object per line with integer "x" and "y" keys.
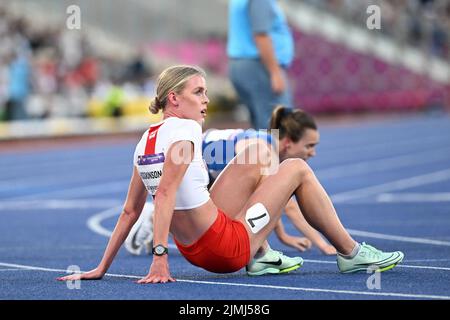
{"x": 150, "y": 169}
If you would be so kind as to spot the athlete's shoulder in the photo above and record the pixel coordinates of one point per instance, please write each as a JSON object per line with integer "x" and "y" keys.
{"x": 187, "y": 126}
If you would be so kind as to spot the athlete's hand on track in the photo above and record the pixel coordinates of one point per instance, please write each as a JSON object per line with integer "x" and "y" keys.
{"x": 300, "y": 243}
{"x": 159, "y": 271}
{"x": 94, "y": 274}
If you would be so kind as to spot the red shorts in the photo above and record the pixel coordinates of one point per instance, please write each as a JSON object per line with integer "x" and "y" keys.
{"x": 223, "y": 248}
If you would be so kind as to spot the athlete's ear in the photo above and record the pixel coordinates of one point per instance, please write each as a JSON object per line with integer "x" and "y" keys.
{"x": 172, "y": 98}
{"x": 285, "y": 143}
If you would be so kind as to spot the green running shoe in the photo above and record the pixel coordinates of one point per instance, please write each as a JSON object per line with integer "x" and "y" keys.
{"x": 273, "y": 262}
{"x": 369, "y": 258}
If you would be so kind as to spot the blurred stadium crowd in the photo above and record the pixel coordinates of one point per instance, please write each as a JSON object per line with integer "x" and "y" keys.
{"x": 50, "y": 72}
{"x": 420, "y": 23}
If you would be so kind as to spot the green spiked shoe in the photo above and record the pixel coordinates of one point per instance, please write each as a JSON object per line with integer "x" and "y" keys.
{"x": 273, "y": 262}
{"x": 369, "y": 258}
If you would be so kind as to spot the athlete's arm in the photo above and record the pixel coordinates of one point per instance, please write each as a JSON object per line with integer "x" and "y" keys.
{"x": 299, "y": 243}
{"x": 177, "y": 161}
{"x": 267, "y": 54}
{"x": 136, "y": 197}
{"x": 294, "y": 214}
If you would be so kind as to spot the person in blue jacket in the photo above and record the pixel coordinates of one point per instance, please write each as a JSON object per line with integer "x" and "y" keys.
{"x": 260, "y": 50}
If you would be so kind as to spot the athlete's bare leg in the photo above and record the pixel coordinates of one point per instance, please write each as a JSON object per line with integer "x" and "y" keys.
{"x": 293, "y": 176}
{"x": 241, "y": 178}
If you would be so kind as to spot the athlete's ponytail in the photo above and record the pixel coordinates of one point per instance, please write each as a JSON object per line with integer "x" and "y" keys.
{"x": 291, "y": 123}
{"x": 155, "y": 105}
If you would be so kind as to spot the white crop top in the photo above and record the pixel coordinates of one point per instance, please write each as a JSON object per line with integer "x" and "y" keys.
{"x": 150, "y": 154}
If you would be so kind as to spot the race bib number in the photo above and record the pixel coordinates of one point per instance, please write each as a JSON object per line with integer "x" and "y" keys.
{"x": 150, "y": 169}
{"x": 257, "y": 217}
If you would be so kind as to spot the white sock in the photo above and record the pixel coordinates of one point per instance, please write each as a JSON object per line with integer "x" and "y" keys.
{"x": 352, "y": 254}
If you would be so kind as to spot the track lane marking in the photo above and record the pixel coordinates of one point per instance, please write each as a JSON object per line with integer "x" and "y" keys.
{"x": 351, "y": 292}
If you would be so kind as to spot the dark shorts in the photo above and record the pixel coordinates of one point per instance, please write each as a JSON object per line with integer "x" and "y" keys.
{"x": 223, "y": 248}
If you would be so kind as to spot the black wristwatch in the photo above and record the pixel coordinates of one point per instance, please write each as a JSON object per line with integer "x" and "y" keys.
{"x": 160, "y": 250}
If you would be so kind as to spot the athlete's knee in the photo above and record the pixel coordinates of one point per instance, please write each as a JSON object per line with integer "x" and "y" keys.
{"x": 264, "y": 153}
{"x": 257, "y": 153}
{"x": 298, "y": 168}
{"x": 262, "y": 148}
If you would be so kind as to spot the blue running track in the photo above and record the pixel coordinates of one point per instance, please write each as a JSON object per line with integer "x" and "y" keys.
{"x": 389, "y": 180}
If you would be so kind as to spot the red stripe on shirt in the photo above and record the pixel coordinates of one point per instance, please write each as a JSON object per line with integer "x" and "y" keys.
{"x": 151, "y": 140}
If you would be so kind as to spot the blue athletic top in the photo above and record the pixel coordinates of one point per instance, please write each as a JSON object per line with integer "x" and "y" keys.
{"x": 219, "y": 146}
{"x": 249, "y": 17}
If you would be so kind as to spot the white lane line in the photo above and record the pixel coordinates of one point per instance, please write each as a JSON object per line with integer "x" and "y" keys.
{"x": 413, "y": 197}
{"x": 401, "y": 184}
{"x": 398, "y": 266}
{"x": 51, "y": 160}
{"x": 426, "y": 260}
{"x": 330, "y": 173}
{"x": 424, "y": 267}
{"x": 94, "y": 223}
{"x": 333, "y": 172}
{"x": 51, "y": 247}
{"x": 385, "y": 294}
{"x": 382, "y": 147}
{"x": 33, "y": 268}
{"x": 383, "y": 164}
{"x": 96, "y": 189}
{"x": 397, "y": 238}
{"x": 11, "y": 269}
{"x": 58, "y": 204}
{"x": 367, "y": 293}
{"x": 86, "y": 175}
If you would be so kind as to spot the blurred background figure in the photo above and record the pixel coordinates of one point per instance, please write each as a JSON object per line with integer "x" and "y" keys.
{"x": 17, "y": 69}
{"x": 18, "y": 88}
{"x": 337, "y": 65}
{"x": 260, "y": 49}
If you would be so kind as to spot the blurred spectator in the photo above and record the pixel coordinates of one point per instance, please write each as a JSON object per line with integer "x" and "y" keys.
{"x": 3, "y": 86}
{"x": 50, "y": 72}
{"x": 115, "y": 100}
{"x": 421, "y": 23}
{"x": 137, "y": 70}
{"x": 260, "y": 49}
{"x": 19, "y": 87}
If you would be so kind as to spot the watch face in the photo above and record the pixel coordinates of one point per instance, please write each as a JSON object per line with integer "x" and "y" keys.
{"x": 159, "y": 250}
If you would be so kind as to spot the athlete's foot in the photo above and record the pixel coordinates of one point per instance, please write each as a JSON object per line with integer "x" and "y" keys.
{"x": 369, "y": 258}
{"x": 273, "y": 262}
